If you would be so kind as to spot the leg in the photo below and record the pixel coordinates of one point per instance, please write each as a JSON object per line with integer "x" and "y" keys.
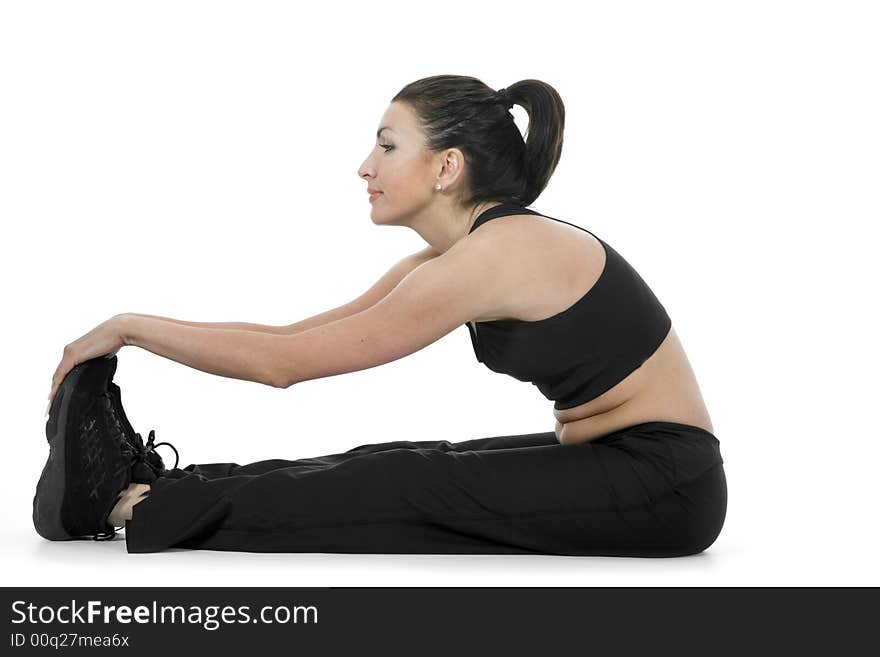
{"x": 219, "y": 470}
{"x": 496, "y": 442}
{"x": 631, "y": 493}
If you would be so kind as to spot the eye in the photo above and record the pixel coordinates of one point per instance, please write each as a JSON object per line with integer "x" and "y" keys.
{"x": 387, "y": 147}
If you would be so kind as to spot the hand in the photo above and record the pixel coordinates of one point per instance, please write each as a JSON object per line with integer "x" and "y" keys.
{"x": 104, "y": 339}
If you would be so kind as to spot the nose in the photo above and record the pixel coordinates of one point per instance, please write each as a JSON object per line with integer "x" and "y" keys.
{"x": 365, "y": 170}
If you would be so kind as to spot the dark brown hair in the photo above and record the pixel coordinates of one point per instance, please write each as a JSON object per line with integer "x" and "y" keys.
{"x": 457, "y": 111}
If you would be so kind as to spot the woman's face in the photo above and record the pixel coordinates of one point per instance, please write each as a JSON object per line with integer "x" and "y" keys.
{"x": 399, "y": 166}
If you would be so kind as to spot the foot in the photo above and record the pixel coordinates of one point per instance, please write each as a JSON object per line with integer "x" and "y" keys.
{"x": 97, "y": 465}
{"x": 89, "y": 458}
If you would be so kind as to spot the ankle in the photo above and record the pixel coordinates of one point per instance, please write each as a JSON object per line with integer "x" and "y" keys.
{"x": 122, "y": 511}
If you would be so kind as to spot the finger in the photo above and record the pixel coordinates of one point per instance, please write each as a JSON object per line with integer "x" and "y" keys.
{"x": 67, "y": 362}
{"x": 54, "y": 389}
{"x": 59, "y": 375}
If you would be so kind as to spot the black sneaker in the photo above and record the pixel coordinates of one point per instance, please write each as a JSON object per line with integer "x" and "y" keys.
{"x": 90, "y": 460}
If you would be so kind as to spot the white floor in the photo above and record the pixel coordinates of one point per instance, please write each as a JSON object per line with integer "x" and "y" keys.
{"x": 731, "y": 561}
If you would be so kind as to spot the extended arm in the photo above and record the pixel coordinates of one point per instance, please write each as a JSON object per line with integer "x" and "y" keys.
{"x": 247, "y": 355}
{"x": 432, "y": 300}
{"x": 243, "y": 350}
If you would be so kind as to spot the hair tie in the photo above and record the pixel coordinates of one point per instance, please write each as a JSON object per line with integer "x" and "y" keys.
{"x": 503, "y": 96}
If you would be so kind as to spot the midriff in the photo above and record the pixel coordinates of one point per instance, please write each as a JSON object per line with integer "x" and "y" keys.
{"x": 663, "y": 389}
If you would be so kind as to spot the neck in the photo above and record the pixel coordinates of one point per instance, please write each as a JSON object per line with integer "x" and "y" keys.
{"x": 442, "y": 225}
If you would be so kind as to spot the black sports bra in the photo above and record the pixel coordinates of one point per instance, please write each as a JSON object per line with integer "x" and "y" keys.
{"x": 577, "y": 354}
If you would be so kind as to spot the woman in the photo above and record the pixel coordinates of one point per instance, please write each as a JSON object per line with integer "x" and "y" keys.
{"x": 631, "y": 469}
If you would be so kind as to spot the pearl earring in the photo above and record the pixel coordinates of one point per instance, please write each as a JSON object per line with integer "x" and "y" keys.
{"x": 438, "y": 187}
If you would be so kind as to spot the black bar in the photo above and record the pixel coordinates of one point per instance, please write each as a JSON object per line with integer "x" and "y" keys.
{"x": 432, "y": 620}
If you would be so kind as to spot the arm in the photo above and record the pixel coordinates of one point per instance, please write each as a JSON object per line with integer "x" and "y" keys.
{"x": 372, "y": 296}
{"x": 247, "y": 355}
{"x": 236, "y": 326}
{"x": 225, "y": 349}
{"x": 432, "y": 300}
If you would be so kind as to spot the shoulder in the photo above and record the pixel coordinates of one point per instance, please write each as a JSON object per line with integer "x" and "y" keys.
{"x": 501, "y": 243}
{"x": 511, "y": 240}
{"x": 454, "y": 286}
{"x": 538, "y": 264}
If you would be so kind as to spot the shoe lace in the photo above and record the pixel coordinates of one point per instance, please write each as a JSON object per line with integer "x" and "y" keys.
{"x": 142, "y": 451}
{"x": 105, "y": 536}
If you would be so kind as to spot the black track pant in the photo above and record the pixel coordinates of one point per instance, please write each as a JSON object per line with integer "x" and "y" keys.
{"x": 656, "y": 489}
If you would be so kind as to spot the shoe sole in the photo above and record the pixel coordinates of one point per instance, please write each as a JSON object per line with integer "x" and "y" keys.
{"x": 49, "y": 499}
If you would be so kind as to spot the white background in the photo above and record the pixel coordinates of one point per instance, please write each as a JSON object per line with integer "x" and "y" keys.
{"x": 198, "y": 160}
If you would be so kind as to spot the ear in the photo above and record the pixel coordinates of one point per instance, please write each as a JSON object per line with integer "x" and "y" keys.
{"x": 451, "y": 167}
